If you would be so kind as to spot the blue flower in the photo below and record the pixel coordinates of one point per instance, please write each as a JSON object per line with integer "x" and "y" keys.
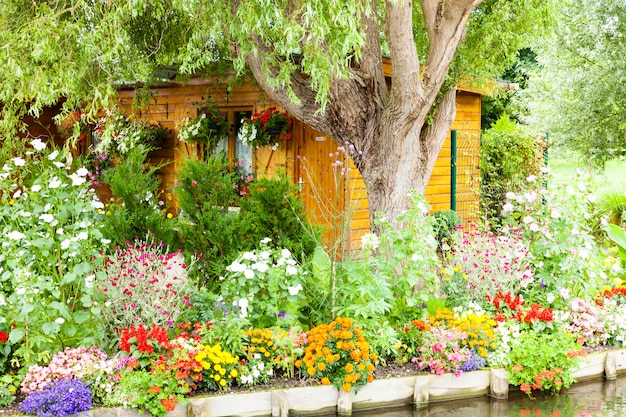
{"x": 58, "y": 399}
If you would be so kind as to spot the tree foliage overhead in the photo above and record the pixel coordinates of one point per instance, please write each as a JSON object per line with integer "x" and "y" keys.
{"x": 577, "y": 95}
{"x": 320, "y": 59}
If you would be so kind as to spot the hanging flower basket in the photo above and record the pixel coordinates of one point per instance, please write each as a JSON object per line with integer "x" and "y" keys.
{"x": 208, "y": 128}
{"x": 264, "y": 128}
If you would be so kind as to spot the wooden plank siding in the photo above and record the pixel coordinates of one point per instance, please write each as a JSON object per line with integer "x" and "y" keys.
{"x": 332, "y": 197}
{"x": 438, "y": 190}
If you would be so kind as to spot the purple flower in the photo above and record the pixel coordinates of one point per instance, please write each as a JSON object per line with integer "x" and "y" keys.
{"x": 58, "y": 399}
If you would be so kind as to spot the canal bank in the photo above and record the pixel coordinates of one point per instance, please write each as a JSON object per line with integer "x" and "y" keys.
{"x": 418, "y": 390}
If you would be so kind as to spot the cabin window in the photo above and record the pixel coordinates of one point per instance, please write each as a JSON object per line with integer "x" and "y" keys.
{"x": 233, "y": 147}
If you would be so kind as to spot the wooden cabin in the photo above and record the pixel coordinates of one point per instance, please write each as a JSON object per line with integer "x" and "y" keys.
{"x": 310, "y": 158}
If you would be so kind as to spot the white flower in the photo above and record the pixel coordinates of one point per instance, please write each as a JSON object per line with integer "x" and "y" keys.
{"x": 528, "y": 219}
{"x": 46, "y": 217}
{"x": 266, "y": 240}
{"x": 55, "y": 183}
{"x": 36, "y": 188}
{"x": 105, "y": 241}
{"x": 53, "y": 155}
{"x": 15, "y": 235}
{"x": 265, "y": 254}
{"x": 65, "y": 244}
{"x": 285, "y": 253}
{"x": 534, "y": 227}
{"x": 60, "y": 231}
{"x": 550, "y": 298}
{"x": 38, "y": 144}
{"x": 530, "y": 197}
{"x": 555, "y": 214}
{"x": 569, "y": 190}
{"x": 20, "y": 291}
{"x": 291, "y": 270}
{"x": 97, "y": 204}
{"x": 531, "y": 178}
{"x": 248, "y": 273}
{"x": 58, "y": 164}
{"x": 17, "y": 194}
{"x": 82, "y": 236}
{"x": 236, "y": 267}
{"x": 18, "y": 162}
{"x": 249, "y": 256}
{"x": 564, "y": 293}
{"x": 77, "y": 179}
{"x": 507, "y": 208}
{"x": 89, "y": 281}
{"x": 242, "y": 303}
{"x": 60, "y": 320}
{"x": 583, "y": 254}
{"x": 545, "y": 170}
{"x": 260, "y": 266}
{"x": 82, "y": 171}
{"x": 369, "y": 241}
{"x": 510, "y": 195}
{"x": 295, "y": 289}
{"x": 591, "y": 198}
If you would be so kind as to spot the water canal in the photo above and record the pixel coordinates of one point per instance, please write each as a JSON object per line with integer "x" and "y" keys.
{"x": 599, "y": 398}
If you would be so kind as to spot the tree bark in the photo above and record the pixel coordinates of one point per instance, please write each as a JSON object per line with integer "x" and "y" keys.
{"x": 394, "y": 133}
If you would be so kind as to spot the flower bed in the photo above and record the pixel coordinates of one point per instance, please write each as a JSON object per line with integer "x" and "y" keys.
{"x": 379, "y": 394}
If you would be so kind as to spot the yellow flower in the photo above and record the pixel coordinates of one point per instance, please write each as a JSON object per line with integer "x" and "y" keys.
{"x": 464, "y": 276}
{"x": 617, "y": 282}
{"x": 170, "y": 215}
{"x": 457, "y": 268}
{"x": 223, "y": 382}
{"x": 325, "y": 381}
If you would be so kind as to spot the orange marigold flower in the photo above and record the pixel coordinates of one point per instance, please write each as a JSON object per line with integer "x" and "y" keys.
{"x": 311, "y": 371}
{"x": 325, "y": 381}
{"x": 525, "y": 388}
{"x": 321, "y": 366}
{"x": 346, "y": 387}
{"x": 349, "y": 367}
{"x": 169, "y": 403}
{"x": 298, "y": 363}
{"x": 370, "y": 367}
{"x": 370, "y": 378}
{"x": 154, "y": 389}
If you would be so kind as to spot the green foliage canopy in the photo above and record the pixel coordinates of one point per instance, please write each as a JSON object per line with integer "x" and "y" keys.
{"x": 79, "y": 50}
{"x": 577, "y": 94}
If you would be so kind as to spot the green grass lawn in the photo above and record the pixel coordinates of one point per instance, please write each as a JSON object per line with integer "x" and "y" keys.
{"x": 611, "y": 180}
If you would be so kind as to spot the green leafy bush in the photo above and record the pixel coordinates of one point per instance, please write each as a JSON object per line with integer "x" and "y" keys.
{"x": 274, "y": 210}
{"x": 543, "y": 361}
{"x": 50, "y": 222}
{"x": 205, "y": 194}
{"x": 508, "y": 157}
{"x": 445, "y": 223}
{"x": 136, "y": 211}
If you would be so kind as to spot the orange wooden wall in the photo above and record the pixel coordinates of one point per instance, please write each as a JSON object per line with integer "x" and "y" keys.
{"x": 305, "y": 158}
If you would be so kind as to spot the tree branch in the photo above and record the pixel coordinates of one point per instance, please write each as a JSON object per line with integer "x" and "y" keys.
{"x": 445, "y": 23}
{"x": 406, "y": 87}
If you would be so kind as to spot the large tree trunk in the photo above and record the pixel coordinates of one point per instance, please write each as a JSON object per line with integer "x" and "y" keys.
{"x": 385, "y": 130}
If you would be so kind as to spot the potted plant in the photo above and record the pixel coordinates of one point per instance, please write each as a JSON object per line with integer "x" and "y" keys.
{"x": 264, "y": 128}
{"x": 208, "y": 128}
{"x": 115, "y": 134}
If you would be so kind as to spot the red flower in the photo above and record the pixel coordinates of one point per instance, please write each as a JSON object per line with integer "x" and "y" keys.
{"x": 3, "y": 337}
{"x": 169, "y": 403}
